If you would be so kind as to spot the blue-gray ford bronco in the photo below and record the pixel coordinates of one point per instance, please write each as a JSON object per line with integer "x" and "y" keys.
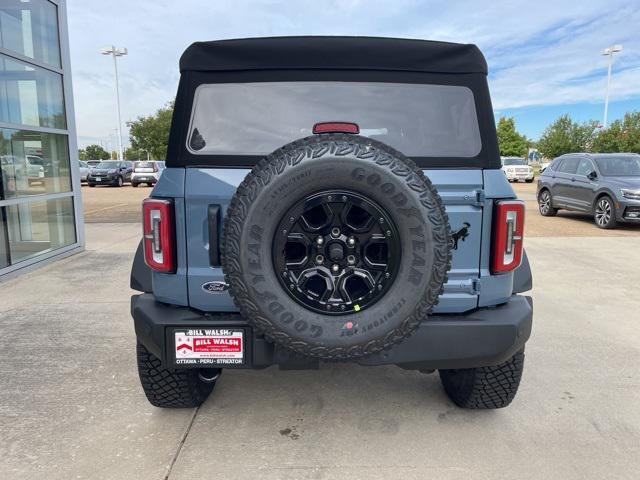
{"x": 332, "y": 199}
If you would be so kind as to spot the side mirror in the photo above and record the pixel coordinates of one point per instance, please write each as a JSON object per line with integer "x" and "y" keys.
{"x": 592, "y": 175}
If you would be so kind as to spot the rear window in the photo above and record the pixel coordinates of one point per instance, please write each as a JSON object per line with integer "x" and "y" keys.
{"x": 143, "y": 164}
{"x": 257, "y": 118}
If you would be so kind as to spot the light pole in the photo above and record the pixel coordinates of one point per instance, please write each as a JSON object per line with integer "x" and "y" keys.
{"x": 115, "y": 53}
{"x": 609, "y": 51}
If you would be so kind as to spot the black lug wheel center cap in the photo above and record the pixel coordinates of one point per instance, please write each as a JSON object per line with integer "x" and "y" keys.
{"x": 336, "y": 252}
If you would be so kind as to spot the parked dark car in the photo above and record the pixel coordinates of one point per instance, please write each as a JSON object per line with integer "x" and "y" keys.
{"x": 110, "y": 172}
{"x": 604, "y": 185}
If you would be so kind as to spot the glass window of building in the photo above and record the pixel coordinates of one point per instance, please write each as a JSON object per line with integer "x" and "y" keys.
{"x": 38, "y": 201}
{"x": 30, "y": 28}
{"x": 38, "y": 227}
{"x": 33, "y": 163}
{"x": 30, "y": 95}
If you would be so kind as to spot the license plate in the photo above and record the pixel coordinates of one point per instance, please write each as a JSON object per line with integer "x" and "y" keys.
{"x": 209, "y": 347}
{"x": 98, "y": 179}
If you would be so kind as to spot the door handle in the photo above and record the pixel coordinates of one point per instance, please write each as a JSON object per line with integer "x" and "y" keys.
{"x": 573, "y": 179}
{"x": 213, "y": 219}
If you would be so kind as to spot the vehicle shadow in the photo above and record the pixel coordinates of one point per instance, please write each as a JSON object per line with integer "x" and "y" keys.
{"x": 585, "y": 218}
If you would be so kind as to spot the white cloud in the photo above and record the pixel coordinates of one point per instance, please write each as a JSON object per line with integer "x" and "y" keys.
{"x": 539, "y": 53}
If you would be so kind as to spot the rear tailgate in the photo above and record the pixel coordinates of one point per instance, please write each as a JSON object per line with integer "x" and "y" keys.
{"x": 461, "y": 191}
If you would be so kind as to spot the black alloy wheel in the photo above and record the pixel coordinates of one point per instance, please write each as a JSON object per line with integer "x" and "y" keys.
{"x": 337, "y": 252}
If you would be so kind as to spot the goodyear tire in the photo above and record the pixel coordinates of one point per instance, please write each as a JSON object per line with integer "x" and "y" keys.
{"x": 363, "y": 168}
{"x": 484, "y": 387}
{"x": 170, "y": 388}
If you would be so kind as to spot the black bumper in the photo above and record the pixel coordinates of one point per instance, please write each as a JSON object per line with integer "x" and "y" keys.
{"x": 482, "y": 337}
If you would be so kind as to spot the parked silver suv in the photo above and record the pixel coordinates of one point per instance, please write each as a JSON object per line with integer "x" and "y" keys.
{"x": 146, "y": 172}
{"x": 605, "y": 185}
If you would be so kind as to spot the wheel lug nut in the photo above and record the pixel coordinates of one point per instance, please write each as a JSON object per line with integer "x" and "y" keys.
{"x": 351, "y": 259}
{"x": 335, "y": 232}
{"x": 379, "y": 286}
{"x": 387, "y": 275}
{"x": 344, "y": 198}
{"x": 335, "y": 268}
{"x": 351, "y": 241}
{"x": 319, "y": 240}
{"x": 319, "y": 259}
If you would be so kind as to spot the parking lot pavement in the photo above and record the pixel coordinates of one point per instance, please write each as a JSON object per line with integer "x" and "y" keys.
{"x": 106, "y": 204}
{"x": 71, "y": 406}
{"x": 566, "y": 224}
{"x": 110, "y": 204}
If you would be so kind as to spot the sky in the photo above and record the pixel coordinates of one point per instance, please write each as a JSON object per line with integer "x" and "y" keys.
{"x": 544, "y": 57}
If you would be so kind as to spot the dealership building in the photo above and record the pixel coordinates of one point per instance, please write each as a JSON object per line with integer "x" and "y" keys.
{"x": 40, "y": 200}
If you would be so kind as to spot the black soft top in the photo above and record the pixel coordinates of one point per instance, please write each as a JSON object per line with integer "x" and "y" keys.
{"x": 333, "y": 53}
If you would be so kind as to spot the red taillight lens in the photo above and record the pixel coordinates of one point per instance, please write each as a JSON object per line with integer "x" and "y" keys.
{"x": 159, "y": 235}
{"x": 336, "y": 127}
{"x": 508, "y": 231}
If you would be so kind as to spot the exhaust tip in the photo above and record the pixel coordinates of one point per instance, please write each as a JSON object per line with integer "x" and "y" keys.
{"x": 209, "y": 375}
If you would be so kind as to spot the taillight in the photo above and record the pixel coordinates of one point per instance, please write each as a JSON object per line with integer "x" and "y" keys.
{"x": 508, "y": 231}
{"x": 159, "y": 235}
{"x": 336, "y": 127}
{"x": 155, "y": 167}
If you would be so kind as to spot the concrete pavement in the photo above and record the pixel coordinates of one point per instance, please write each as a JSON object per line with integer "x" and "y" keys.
{"x": 71, "y": 406}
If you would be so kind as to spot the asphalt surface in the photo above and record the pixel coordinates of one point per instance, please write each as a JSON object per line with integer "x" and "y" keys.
{"x": 106, "y": 204}
{"x": 71, "y": 405}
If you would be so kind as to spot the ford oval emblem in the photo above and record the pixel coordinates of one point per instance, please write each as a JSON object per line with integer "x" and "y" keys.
{"x": 215, "y": 287}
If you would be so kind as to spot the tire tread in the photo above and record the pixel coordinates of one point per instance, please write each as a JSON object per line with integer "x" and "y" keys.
{"x": 484, "y": 387}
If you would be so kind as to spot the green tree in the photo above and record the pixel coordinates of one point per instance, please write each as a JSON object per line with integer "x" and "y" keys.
{"x": 151, "y": 133}
{"x": 93, "y": 152}
{"x": 133, "y": 154}
{"x": 566, "y": 136}
{"x": 621, "y": 136}
{"x": 512, "y": 143}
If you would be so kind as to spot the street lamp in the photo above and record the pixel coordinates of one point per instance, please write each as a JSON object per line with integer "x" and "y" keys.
{"x": 115, "y": 53}
{"x": 609, "y": 51}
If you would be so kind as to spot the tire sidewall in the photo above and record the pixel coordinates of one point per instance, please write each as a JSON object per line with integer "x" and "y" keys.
{"x": 274, "y": 311}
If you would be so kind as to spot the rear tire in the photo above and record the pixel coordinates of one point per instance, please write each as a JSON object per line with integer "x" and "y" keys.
{"x": 149, "y": 184}
{"x": 484, "y": 387}
{"x": 545, "y": 204}
{"x": 92, "y": 185}
{"x": 134, "y": 184}
{"x": 529, "y": 180}
{"x": 170, "y": 389}
{"x": 604, "y": 214}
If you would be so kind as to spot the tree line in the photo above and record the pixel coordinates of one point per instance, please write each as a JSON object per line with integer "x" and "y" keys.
{"x": 565, "y": 135}
{"x": 149, "y": 136}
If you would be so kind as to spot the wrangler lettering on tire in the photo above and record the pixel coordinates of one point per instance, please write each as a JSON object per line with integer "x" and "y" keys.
{"x": 324, "y": 228}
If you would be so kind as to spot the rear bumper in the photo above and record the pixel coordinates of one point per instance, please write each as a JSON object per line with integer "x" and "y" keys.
{"x": 483, "y": 337}
{"x": 519, "y": 176}
{"x": 144, "y": 178}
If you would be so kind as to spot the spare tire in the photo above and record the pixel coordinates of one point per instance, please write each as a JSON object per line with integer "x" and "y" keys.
{"x": 336, "y": 246}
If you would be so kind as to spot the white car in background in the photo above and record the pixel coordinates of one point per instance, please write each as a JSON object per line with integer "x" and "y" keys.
{"x": 543, "y": 166}
{"x": 84, "y": 170}
{"x": 517, "y": 169}
{"x": 146, "y": 172}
